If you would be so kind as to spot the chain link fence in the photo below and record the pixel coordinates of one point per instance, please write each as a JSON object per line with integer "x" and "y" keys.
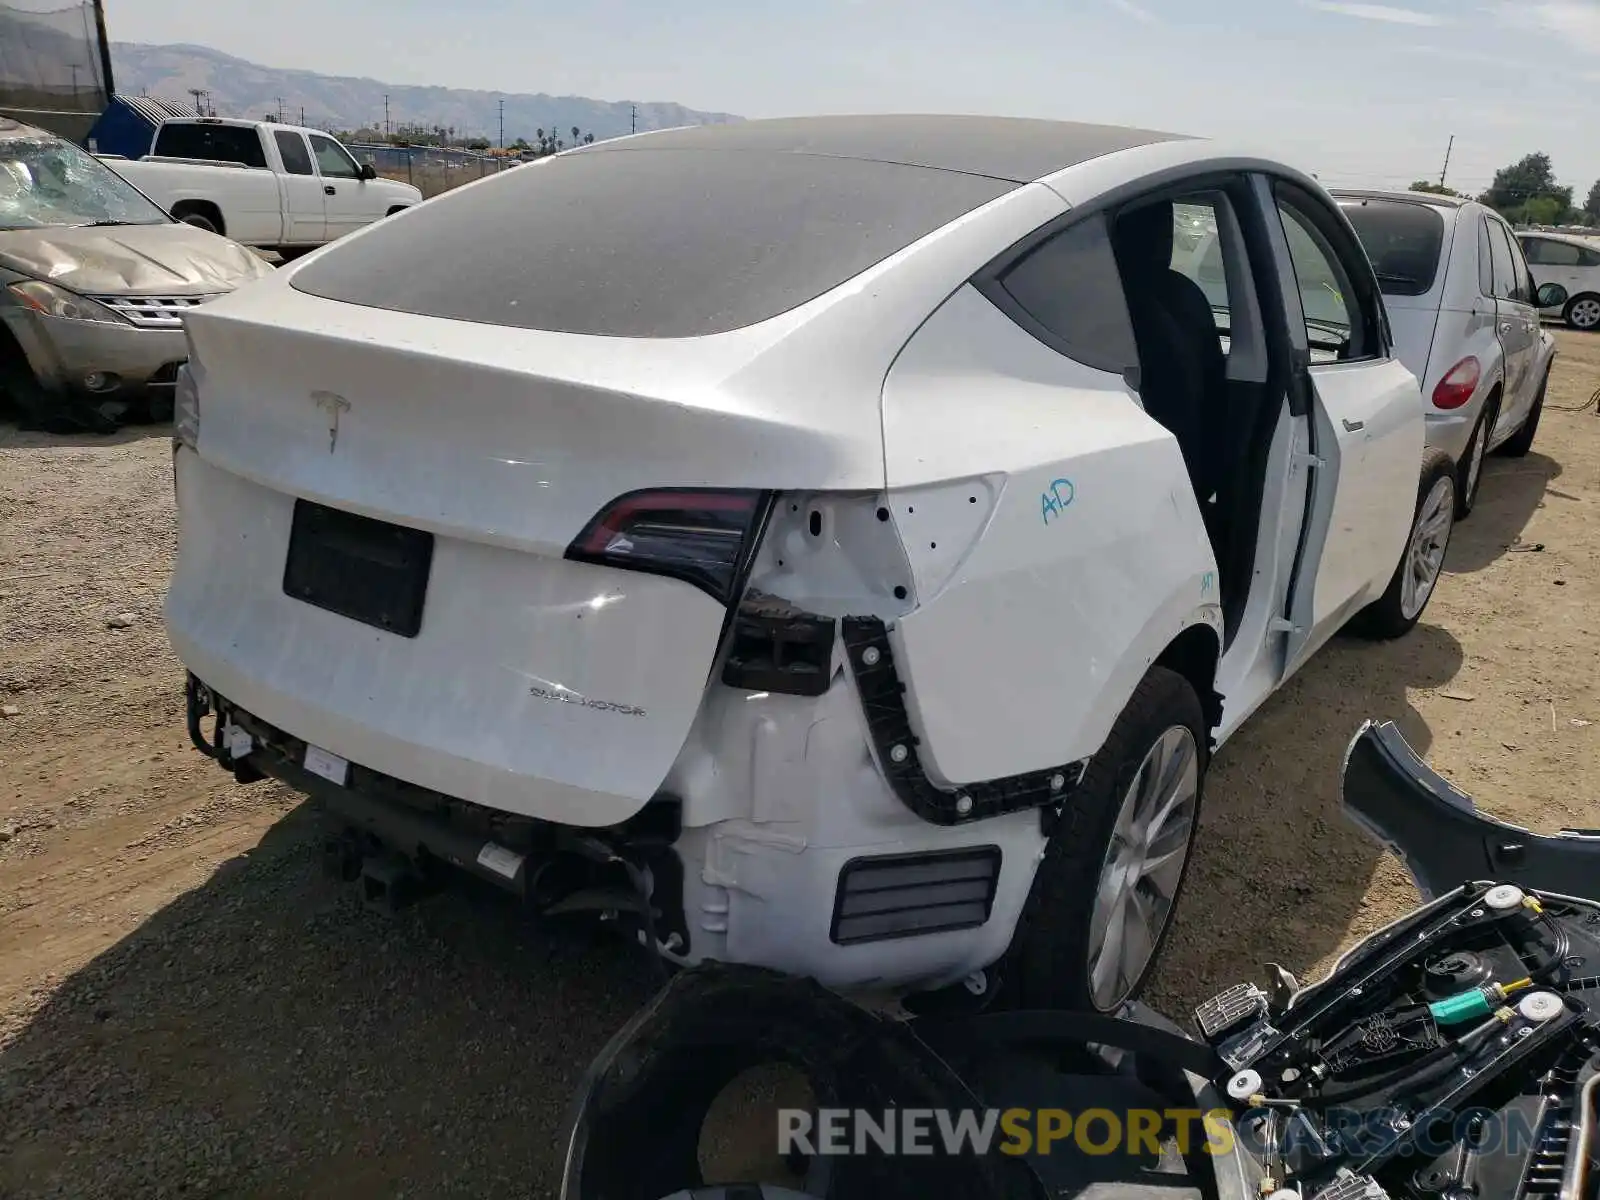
{"x": 433, "y": 169}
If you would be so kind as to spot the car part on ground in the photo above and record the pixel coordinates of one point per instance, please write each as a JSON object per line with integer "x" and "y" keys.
{"x": 637, "y": 535}
{"x": 1453, "y": 1053}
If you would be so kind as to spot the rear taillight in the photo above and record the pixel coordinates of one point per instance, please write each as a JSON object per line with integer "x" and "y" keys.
{"x": 1459, "y": 384}
{"x": 700, "y": 536}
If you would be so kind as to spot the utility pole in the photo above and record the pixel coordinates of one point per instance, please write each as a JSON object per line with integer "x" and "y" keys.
{"x": 502, "y": 122}
{"x": 280, "y": 110}
{"x": 635, "y": 118}
{"x": 1447, "y": 151}
{"x": 302, "y": 114}
{"x": 105, "y": 47}
{"x": 386, "y": 129}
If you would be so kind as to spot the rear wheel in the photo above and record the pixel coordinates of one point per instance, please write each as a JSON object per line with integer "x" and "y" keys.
{"x": 1583, "y": 312}
{"x": 1470, "y": 476}
{"x": 1520, "y": 442}
{"x": 1104, "y": 895}
{"x": 1397, "y": 611}
{"x": 199, "y": 218}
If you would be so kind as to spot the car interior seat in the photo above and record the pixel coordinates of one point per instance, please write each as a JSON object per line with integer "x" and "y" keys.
{"x": 1182, "y": 371}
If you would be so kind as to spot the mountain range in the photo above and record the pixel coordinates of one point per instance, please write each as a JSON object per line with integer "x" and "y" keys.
{"x": 237, "y": 88}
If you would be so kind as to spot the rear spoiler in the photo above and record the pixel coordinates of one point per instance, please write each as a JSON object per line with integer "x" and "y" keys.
{"x": 1436, "y": 830}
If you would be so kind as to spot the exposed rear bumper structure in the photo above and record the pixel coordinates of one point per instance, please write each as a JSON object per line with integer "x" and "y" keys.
{"x": 879, "y": 914}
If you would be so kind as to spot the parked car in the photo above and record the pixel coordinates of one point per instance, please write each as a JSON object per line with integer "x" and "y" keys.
{"x": 850, "y": 533}
{"x": 1463, "y": 308}
{"x": 1573, "y": 264}
{"x": 278, "y": 187}
{"x": 94, "y": 282}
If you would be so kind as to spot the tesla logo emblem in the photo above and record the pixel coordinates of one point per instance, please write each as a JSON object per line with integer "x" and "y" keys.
{"x": 333, "y": 405}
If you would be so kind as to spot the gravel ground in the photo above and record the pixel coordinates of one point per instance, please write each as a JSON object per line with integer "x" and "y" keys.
{"x": 189, "y": 1008}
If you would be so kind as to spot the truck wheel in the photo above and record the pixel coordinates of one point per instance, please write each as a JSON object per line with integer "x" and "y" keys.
{"x": 200, "y": 218}
{"x": 1105, "y": 893}
{"x": 1397, "y": 611}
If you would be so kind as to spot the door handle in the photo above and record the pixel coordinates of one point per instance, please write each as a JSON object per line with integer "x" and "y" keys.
{"x": 1353, "y": 426}
{"x": 329, "y": 190}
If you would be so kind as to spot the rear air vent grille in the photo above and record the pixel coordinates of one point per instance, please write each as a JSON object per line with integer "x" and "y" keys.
{"x": 906, "y": 895}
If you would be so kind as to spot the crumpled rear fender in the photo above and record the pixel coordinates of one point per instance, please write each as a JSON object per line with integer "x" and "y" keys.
{"x": 1436, "y": 830}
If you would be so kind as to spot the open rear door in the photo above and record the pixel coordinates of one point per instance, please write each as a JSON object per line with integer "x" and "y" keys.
{"x": 1365, "y": 411}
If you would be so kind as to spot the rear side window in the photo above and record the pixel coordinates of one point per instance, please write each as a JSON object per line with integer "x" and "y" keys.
{"x": 1507, "y": 283}
{"x": 645, "y": 243}
{"x": 1068, "y": 293}
{"x": 212, "y": 143}
{"x": 292, "y": 149}
{"x": 1404, "y": 241}
{"x": 1547, "y": 253}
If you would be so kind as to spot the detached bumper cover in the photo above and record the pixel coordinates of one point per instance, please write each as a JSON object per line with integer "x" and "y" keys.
{"x": 1437, "y": 831}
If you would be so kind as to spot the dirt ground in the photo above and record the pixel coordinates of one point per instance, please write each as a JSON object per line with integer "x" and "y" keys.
{"x": 188, "y": 1007}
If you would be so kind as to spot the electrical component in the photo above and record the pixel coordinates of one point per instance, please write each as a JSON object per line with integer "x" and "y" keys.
{"x": 1479, "y": 1002}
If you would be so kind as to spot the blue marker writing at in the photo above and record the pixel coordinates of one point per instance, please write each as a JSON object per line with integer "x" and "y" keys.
{"x": 1054, "y": 502}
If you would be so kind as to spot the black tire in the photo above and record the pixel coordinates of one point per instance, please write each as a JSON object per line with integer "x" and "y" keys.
{"x": 1583, "y": 312}
{"x": 1469, "y": 474}
{"x": 199, "y": 220}
{"x": 1520, "y": 442}
{"x": 1048, "y": 964}
{"x": 1387, "y": 617}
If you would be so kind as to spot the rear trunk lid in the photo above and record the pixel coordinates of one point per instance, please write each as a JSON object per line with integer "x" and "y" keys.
{"x": 530, "y": 682}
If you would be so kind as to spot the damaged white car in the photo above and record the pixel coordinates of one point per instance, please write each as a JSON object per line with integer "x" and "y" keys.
{"x": 851, "y": 534}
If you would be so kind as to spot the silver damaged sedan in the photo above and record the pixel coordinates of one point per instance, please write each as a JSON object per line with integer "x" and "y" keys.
{"x": 94, "y": 281}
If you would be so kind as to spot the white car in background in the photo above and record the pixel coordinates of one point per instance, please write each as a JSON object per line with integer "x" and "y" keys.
{"x": 1464, "y": 310}
{"x": 831, "y": 544}
{"x": 1574, "y": 264}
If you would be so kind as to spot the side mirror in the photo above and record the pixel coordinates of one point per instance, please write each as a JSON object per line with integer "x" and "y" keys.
{"x": 1551, "y": 295}
{"x": 368, "y": 171}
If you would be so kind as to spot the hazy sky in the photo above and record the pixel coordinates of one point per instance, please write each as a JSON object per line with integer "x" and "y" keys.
{"x": 1359, "y": 93}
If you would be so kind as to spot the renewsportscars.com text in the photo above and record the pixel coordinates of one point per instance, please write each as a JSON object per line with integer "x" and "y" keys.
{"x": 1016, "y": 1131}
{"x": 1102, "y": 1131}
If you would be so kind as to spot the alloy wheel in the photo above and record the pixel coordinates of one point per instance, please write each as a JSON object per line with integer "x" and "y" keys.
{"x": 1430, "y": 536}
{"x": 1143, "y": 867}
{"x": 1585, "y": 313}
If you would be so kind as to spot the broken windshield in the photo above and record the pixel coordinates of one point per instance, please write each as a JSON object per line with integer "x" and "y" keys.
{"x": 45, "y": 181}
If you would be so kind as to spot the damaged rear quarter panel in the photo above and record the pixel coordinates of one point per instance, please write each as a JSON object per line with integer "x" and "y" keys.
{"x": 1033, "y": 626}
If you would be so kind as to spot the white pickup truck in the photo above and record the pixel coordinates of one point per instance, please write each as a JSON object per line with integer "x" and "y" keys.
{"x": 278, "y": 187}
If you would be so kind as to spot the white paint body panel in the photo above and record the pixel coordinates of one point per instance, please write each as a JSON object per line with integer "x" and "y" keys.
{"x": 1031, "y": 632}
{"x": 1370, "y": 438}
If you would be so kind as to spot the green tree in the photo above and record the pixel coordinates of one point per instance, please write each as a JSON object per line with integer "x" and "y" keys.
{"x": 1436, "y": 189}
{"x": 1591, "y": 206}
{"x": 1528, "y": 181}
{"x": 1544, "y": 210}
